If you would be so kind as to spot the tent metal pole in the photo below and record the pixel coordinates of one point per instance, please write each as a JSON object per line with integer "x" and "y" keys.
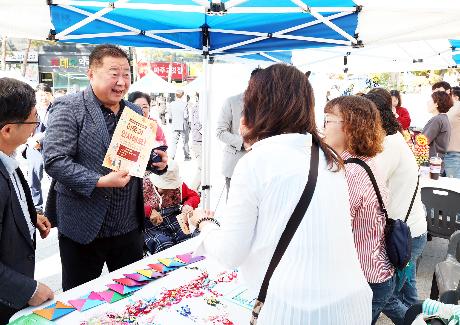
{"x": 206, "y": 124}
{"x": 205, "y": 156}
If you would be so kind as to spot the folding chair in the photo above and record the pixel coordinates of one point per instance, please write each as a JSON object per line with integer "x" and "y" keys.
{"x": 442, "y": 207}
{"x": 446, "y": 277}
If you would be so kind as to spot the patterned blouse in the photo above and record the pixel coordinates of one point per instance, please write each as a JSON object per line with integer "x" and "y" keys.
{"x": 153, "y": 199}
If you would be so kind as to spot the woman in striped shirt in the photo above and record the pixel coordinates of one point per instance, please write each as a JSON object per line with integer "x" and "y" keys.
{"x": 354, "y": 129}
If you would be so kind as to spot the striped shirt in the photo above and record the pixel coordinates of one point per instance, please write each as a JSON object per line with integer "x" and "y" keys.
{"x": 368, "y": 221}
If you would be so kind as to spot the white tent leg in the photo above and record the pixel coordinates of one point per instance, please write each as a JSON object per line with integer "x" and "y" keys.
{"x": 206, "y": 145}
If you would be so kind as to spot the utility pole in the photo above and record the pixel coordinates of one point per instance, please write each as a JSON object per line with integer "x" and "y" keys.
{"x": 4, "y": 38}
{"x": 26, "y": 58}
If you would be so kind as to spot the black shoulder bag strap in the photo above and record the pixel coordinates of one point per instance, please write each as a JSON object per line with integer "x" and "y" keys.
{"x": 374, "y": 182}
{"x": 294, "y": 221}
{"x": 376, "y": 188}
{"x": 413, "y": 199}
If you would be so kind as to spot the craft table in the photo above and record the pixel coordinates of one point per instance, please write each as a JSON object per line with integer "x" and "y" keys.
{"x": 445, "y": 183}
{"x": 235, "y": 302}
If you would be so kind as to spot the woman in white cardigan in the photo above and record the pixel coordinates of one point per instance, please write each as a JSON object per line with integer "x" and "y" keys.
{"x": 319, "y": 278}
{"x": 398, "y": 166}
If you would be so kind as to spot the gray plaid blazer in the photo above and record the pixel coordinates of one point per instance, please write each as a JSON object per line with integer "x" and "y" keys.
{"x": 75, "y": 144}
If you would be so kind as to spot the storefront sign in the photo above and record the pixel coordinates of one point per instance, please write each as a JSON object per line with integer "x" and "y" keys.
{"x": 18, "y": 56}
{"x": 178, "y": 70}
{"x": 67, "y": 63}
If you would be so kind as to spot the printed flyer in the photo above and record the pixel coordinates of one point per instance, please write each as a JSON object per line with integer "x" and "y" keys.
{"x": 132, "y": 142}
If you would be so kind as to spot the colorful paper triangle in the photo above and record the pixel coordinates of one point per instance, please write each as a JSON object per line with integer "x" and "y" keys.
{"x": 31, "y": 319}
{"x": 161, "y": 268}
{"x": 184, "y": 257}
{"x": 54, "y": 311}
{"x": 129, "y": 282}
{"x": 138, "y": 277}
{"x": 88, "y": 301}
{"x": 121, "y": 289}
{"x": 151, "y": 274}
{"x": 112, "y": 296}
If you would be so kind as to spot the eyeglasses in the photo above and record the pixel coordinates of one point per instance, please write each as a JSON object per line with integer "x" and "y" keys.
{"x": 37, "y": 123}
{"x": 327, "y": 120}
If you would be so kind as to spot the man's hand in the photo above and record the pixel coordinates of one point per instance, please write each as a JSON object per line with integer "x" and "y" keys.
{"x": 164, "y": 160}
{"x": 43, "y": 225}
{"x": 156, "y": 218}
{"x": 114, "y": 179}
{"x": 42, "y": 294}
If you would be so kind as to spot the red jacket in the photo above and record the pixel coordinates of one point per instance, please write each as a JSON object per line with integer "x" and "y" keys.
{"x": 190, "y": 197}
{"x": 403, "y": 117}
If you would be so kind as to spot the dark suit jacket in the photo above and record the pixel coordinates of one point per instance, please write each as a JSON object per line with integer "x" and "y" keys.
{"x": 17, "y": 249}
{"x": 74, "y": 148}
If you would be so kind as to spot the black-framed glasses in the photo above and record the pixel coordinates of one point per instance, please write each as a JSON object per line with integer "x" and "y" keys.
{"x": 37, "y": 123}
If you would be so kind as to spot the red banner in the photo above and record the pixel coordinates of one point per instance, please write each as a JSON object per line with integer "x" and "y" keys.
{"x": 178, "y": 70}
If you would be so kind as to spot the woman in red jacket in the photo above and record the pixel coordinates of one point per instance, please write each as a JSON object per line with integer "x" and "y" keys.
{"x": 166, "y": 197}
{"x": 401, "y": 113}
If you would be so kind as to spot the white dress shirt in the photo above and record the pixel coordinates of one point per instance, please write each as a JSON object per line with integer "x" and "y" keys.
{"x": 319, "y": 279}
{"x": 11, "y": 165}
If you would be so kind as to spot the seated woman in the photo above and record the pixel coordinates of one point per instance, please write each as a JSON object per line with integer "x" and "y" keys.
{"x": 166, "y": 197}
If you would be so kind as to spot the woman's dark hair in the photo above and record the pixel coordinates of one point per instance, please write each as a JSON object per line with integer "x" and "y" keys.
{"x": 395, "y": 93}
{"x": 382, "y": 100}
{"x": 444, "y": 101}
{"x": 441, "y": 84}
{"x": 279, "y": 99}
{"x": 456, "y": 91}
{"x": 361, "y": 124}
{"x": 138, "y": 94}
{"x": 17, "y": 99}
{"x": 44, "y": 87}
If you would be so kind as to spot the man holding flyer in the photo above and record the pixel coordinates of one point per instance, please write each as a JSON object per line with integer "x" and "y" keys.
{"x": 99, "y": 213}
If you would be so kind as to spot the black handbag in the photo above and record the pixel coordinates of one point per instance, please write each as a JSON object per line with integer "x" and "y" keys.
{"x": 291, "y": 227}
{"x": 398, "y": 239}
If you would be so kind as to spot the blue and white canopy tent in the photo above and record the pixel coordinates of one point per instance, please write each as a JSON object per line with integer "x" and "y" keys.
{"x": 455, "y": 51}
{"x": 231, "y": 27}
{"x": 211, "y": 28}
{"x": 397, "y": 57}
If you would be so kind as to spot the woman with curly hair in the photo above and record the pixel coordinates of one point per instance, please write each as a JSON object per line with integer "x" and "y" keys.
{"x": 352, "y": 126}
{"x": 398, "y": 167}
{"x": 438, "y": 129}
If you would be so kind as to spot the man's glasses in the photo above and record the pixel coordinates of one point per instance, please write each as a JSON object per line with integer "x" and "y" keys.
{"x": 37, "y": 122}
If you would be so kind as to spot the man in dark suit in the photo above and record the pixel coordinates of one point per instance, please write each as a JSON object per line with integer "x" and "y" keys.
{"x": 99, "y": 213}
{"x": 18, "y": 218}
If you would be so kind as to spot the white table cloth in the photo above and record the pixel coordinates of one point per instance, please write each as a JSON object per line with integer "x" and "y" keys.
{"x": 235, "y": 302}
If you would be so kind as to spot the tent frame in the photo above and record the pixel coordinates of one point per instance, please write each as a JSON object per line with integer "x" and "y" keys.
{"x": 214, "y": 7}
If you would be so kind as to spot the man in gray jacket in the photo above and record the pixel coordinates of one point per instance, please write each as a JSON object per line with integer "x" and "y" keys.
{"x": 99, "y": 213}
{"x": 228, "y": 126}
